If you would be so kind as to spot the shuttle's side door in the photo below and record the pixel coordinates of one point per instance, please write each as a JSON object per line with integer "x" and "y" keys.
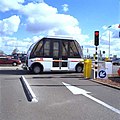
{"x": 56, "y": 55}
{"x": 59, "y": 55}
{"x": 64, "y": 54}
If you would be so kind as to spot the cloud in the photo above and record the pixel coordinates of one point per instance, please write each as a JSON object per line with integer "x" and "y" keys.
{"x": 114, "y": 26}
{"x": 111, "y": 34}
{"x": 8, "y": 44}
{"x": 6, "y": 5}
{"x": 45, "y": 19}
{"x": 113, "y": 29}
{"x": 9, "y": 25}
{"x": 36, "y": 1}
{"x": 37, "y": 9}
{"x": 65, "y": 7}
{"x": 40, "y": 18}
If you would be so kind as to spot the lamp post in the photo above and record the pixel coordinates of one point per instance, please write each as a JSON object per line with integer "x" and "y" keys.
{"x": 109, "y": 40}
{"x": 109, "y": 44}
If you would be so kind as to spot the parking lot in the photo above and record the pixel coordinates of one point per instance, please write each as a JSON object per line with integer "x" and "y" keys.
{"x": 55, "y": 98}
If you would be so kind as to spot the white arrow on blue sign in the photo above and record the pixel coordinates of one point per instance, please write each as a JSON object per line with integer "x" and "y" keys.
{"x": 102, "y": 74}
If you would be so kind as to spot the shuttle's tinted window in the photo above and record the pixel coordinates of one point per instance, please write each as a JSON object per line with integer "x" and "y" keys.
{"x": 37, "y": 49}
{"x": 42, "y": 49}
{"x": 73, "y": 50}
{"x": 65, "y": 48}
{"x": 56, "y": 49}
{"x": 79, "y": 48}
{"x": 47, "y": 48}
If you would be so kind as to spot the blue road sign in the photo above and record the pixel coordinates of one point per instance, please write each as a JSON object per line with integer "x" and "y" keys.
{"x": 102, "y": 74}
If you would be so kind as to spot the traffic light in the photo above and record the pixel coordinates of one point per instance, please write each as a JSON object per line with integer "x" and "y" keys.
{"x": 96, "y": 40}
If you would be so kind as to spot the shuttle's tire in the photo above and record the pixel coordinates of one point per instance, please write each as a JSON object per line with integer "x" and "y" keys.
{"x": 79, "y": 68}
{"x": 36, "y": 69}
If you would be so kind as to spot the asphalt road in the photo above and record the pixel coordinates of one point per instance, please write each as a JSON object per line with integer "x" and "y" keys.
{"x": 55, "y": 100}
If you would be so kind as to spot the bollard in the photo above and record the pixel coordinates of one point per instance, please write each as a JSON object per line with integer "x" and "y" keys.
{"x": 87, "y": 68}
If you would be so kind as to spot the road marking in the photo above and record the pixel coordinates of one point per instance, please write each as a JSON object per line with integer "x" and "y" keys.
{"x": 76, "y": 91}
{"x": 28, "y": 88}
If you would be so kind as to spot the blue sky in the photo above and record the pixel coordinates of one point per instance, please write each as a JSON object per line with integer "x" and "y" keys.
{"x": 23, "y": 22}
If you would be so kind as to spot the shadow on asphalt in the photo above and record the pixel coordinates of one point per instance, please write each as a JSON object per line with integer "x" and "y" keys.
{"x": 13, "y": 72}
{"x": 63, "y": 85}
{"x": 25, "y": 72}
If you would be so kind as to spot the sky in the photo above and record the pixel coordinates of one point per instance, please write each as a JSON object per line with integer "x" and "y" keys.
{"x": 23, "y": 22}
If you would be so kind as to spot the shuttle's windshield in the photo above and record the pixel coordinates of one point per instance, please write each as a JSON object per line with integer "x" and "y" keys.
{"x": 30, "y": 48}
{"x": 79, "y": 48}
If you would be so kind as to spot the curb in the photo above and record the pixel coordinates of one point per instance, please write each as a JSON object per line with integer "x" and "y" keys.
{"x": 113, "y": 86}
{"x": 28, "y": 91}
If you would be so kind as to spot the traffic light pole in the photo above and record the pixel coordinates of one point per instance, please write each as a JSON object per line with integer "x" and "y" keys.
{"x": 96, "y": 63}
{"x": 96, "y": 43}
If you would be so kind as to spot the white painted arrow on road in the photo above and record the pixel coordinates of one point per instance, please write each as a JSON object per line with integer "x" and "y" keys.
{"x": 76, "y": 91}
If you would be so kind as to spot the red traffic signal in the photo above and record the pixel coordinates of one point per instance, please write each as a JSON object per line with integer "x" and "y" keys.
{"x": 96, "y": 33}
{"x": 96, "y": 39}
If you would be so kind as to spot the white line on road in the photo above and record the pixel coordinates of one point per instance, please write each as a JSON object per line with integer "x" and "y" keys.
{"x": 76, "y": 90}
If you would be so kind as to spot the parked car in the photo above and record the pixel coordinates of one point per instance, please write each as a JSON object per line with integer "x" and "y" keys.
{"x": 9, "y": 60}
{"x": 116, "y": 62}
{"x": 23, "y": 59}
{"x": 20, "y": 56}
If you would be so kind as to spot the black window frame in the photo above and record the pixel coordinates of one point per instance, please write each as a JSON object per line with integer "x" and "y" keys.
{"x": 61, "y": 41}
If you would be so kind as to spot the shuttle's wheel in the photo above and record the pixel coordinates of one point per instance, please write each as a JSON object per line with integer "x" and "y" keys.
{"x": 36, "y": 69}
{"x": 79, "y": 68}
